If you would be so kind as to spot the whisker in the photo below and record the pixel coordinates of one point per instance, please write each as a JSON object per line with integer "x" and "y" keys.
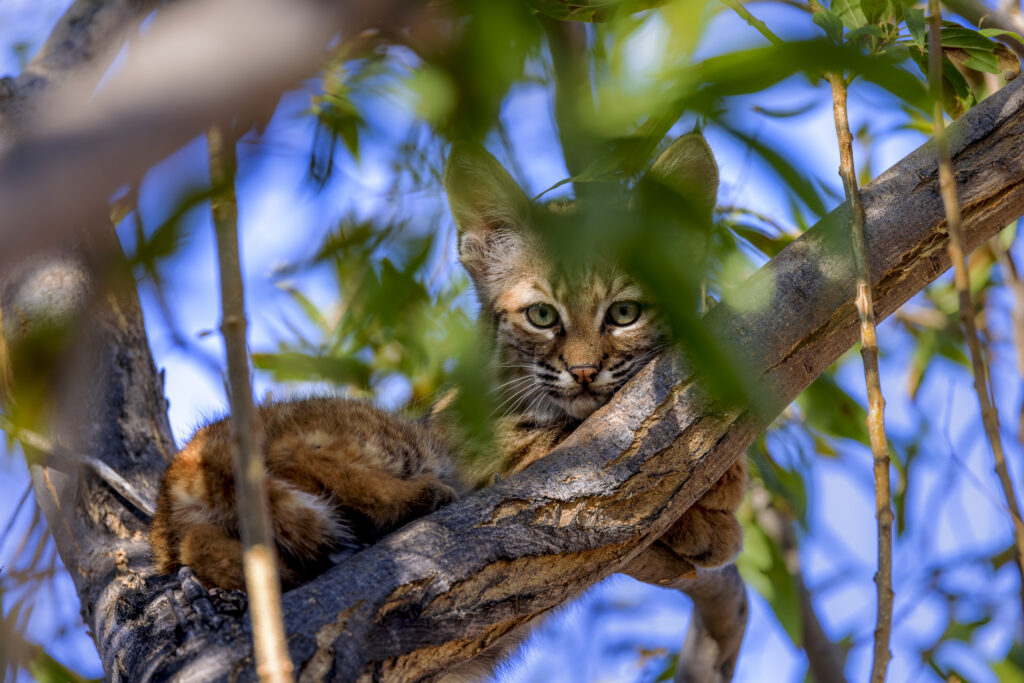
{"x": 513, "y": 408}
{"x": 519, "y": 391}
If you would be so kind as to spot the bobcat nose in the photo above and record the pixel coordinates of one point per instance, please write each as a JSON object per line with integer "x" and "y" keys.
{"x": 583, "y": 374}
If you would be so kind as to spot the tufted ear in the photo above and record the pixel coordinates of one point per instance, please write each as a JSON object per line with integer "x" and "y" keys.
{"x": 490, "y": 210}
{"x": 688, "y": 167}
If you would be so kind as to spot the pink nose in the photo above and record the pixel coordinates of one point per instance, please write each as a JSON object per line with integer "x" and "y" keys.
{"x": 583, "y": 374}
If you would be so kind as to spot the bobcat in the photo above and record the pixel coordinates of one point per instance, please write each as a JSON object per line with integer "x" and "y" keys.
{"x": 342, "y": 473}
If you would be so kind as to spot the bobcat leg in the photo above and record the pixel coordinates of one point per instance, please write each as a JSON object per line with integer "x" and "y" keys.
{"x": 720, "y": 612}
{"x": 214, "y": 556}
{"x": 708, "y": 534}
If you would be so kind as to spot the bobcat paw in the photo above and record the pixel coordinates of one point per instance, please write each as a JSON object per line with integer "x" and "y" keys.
{"x": 434, "y": 494}
{"x": 707, "y": 538}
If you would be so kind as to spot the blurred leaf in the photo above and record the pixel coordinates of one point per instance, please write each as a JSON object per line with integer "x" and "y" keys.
{"x": 591, "y": 10}
{"x": 1011, "y": 669}
{"x": 787, "y": 113}
{"x": 762, "y": 566}
{"x": 828, "y": 408}
{"x": 45, "y": 669}
{"x": 290, "y": 366}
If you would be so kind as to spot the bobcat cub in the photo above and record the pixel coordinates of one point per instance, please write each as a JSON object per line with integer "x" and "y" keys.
{"x": 342, "y": 473}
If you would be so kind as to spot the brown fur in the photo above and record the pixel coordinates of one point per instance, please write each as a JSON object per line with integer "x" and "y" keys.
{"x": 340, "y": 474}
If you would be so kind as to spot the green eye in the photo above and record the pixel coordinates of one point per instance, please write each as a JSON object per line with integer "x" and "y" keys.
{"x": 542, "y": 315}
{"x": 624, "y": 312}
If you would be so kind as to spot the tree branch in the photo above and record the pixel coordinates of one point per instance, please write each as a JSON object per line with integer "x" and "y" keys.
{"x": 876, "y": 401}
{"x": 259, "y": 554}
{"x": 81, "y": 147}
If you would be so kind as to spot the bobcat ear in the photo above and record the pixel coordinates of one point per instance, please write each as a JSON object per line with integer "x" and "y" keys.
{"x": 482, "y": 195}
{"x": 491, "y": 213}
{"x": 688, "y": 167}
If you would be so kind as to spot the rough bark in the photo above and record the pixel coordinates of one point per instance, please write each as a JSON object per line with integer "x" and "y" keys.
{"x": 445, "y": 586}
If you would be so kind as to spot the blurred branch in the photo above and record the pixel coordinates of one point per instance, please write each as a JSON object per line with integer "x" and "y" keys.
{"x": 81, "y": 147}
{"x": 259, "y": 553}
{"x": 824, "y": 658}
{"x": 567, "y": 41}
{"x": 958, "y": 256}
{"x": 876, "y": 402}
{"x": 81, "y": 46}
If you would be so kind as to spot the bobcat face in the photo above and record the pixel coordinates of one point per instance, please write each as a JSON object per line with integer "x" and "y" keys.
{"x": 566, "y": 336}
{"x": 567, "y": 342}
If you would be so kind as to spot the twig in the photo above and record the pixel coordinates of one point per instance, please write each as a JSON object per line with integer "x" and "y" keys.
{"x": 876, "y": 402}
{"x": 955, "y": 249}
{"x": 259, "y": 553}
{"x": 61, "y": 458}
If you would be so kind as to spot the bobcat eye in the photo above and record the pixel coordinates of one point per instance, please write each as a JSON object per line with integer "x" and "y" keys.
{"x": 623, "y": 312}
{"x": 542, "y": 315}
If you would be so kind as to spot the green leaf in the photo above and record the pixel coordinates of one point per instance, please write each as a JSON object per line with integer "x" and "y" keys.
{"x": 980, "y": 60}
{"x": 308, "y": 307}
{"x": 831, "y": 24}
{"x": 917, "y": 26}
{"x": 998, "y": 33}
{"x": 291, "y": 366}
{"x": 966, "y": 38}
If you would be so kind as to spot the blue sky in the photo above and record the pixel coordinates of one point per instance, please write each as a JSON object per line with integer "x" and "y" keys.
{"x": 597, "y": 637}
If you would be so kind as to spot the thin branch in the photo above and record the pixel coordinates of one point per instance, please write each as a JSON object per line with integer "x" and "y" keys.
{"x": 876, "y": 402}
{"x": 957, "y": 255}
{"x": 567, "y": 42}
{"x": 1012, "y": 277}
{"x": 61, "y": 458}
{"x": 263, "y": 585}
